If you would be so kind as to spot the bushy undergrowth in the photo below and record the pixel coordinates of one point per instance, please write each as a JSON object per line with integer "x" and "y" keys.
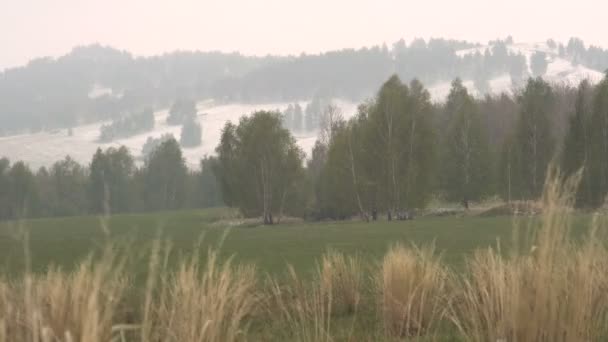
{"x": 549, "y": 288}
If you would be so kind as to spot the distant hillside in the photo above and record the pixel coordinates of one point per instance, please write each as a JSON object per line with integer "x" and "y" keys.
{"x": 95, "y": 83}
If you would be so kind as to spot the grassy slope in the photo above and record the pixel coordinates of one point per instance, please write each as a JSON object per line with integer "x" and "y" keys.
{"x": 65, "y": 241}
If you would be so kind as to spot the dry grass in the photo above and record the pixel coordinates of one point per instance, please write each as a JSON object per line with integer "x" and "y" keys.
{"x": 342, "y": 276}
{"x": 306, "y": 308}
{"x": 206, "y": 303}
{"x": 412, "y": 285}
{"x": 551, "y": 290}
{"x": 303, "y": 308}
{"x": 58, "y": 306}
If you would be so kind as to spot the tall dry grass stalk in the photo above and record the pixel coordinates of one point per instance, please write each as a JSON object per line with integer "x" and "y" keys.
{"x": 207, "y": 303}
{"x": 556, "y": 290}
{"x": 305, "y": 308}
{"x": 57, "y": 306}
{"x": 342, "y": 276}
{"x": 412, "y": 285}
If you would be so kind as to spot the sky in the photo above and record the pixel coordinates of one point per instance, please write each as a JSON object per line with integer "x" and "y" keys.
{"x": 36, "y": 28}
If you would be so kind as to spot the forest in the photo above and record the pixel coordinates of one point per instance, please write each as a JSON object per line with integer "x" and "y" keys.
{"x": 97, "y": 83}
{"x": 399, "y": 152}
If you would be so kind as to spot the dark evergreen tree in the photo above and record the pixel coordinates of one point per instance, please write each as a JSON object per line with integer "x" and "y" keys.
{"x": 165, "y": 175}
{"x": 534, "y": 143}
{"x": 466, "y": 171}
{"x": 598, "y": 152}
{"x": 298, "y": 117}
{"x": 109, "y": 186}
{"x": 577, "y": 144}
{"x": 182, "y": 111}
{"x": 539, "y": 64}
{"x": 23, "y": 193}
{"x": 191, "y": 134}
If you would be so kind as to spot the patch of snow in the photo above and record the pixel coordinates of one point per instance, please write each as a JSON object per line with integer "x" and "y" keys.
{"x": 98, "y": 91}
{"x": 45, "y": 148}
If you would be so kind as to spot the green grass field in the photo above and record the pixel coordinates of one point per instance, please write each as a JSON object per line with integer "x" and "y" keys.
{"x": 66, "y": 241}
{"x": 288, "y": 305}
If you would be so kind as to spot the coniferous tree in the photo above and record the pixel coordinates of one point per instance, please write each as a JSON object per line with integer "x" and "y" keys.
{"x": 22, "y": 191}
{"x": 288, "y": 117}
{"x": 109, "y": 185}
{"x": 181, "y": 111}
{"x": 298, "y": 117}
{"x": 466, "y": 158}
{"x": 208, "y": 187}
{"x": 538, "y": 63}
{"x": 67, "y": 184}
{"x": 577, "y": 144}
{"x": 191, "y": 134}
{"x": 598, "y": 159}
{"x": 533, "y": 140}
{"x": 5, "y": 198}
{"x": 165, "y": 175}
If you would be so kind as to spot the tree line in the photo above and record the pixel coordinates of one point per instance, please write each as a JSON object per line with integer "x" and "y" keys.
{"x": 110, "y": 184}
{"x": 400, "y": 150}
{"x": 396, "y": 153}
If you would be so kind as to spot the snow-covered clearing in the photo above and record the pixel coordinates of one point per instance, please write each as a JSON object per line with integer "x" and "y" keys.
{"x": 44, "y": 148}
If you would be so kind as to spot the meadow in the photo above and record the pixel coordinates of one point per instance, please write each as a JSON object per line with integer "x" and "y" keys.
{"x": 211, "y": 276}
{"x": 65, "y": 242}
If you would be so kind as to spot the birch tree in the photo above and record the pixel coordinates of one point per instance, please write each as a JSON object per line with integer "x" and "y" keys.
{"x": 259, "y": 165}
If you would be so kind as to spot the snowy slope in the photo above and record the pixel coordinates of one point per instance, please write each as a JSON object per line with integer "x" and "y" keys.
{"x": 559, "y": 71}
{"x": 44, "y": 148}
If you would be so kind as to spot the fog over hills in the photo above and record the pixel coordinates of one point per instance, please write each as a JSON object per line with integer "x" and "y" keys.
{"x": 53, "y": 107}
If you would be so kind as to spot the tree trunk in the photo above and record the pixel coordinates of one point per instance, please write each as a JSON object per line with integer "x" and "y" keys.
{"x": 281, "y": 206}
{"x": 362, "y": 213}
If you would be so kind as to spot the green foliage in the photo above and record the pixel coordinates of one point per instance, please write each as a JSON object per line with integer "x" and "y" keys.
{"x": 577, "y": 144}
{"x": 152, "y": 144}
{"x": 128, "y": 126}
{"x": 192, "y": 134}
{"x": 466, "y": 165}
{"x": 399, "y": 135}
{"x": 182, "y": 110}
{"x": 384, "y": 158}
{"x": 598, "y": 151}
{"x": 259, "y": 166}
{"x": 109, "y": 185}
{"x": 165, "y": 178}
{"x": 67, "y": 185}
{"x": 22, "y": 191}
{"x": 532, "y": 146}
{"x": 337, "y": 187}
{"x": 208, "y": 192}
{"x": 5, "y": 181}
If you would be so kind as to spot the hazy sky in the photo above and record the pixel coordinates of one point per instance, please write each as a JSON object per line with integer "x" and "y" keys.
{"x": 34, "y": 28}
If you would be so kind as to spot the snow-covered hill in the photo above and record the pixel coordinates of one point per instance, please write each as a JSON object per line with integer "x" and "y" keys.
{"x": 44, "y": 148}
{"x": 559, "y": 71}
